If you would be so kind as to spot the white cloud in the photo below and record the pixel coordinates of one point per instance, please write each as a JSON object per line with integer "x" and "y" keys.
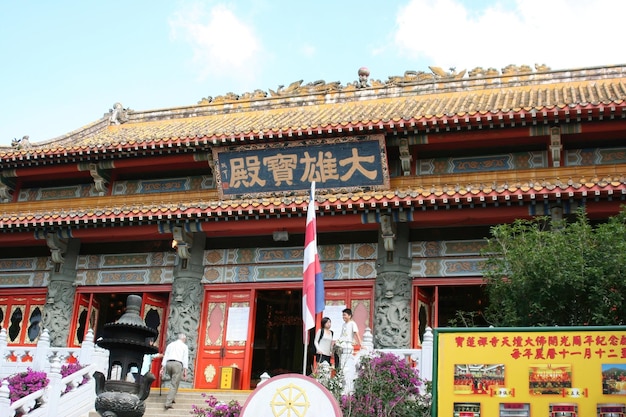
{"x": 559, "y": 33}
{"x": 222, "y": 44}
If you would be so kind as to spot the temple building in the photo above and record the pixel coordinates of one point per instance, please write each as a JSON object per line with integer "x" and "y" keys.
{"x": 201, "y": 209}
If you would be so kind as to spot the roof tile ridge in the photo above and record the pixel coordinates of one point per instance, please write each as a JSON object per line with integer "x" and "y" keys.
{"x": 60, "y": 141}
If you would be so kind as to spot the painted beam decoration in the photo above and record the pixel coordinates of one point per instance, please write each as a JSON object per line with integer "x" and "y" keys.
{"x": 339, "y": 164}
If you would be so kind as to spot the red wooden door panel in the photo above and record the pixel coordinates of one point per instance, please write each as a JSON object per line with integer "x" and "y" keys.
{"x": 224, "y": 337}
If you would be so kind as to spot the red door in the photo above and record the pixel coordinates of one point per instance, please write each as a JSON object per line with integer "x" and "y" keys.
{"x": 154, "y": 314}
{"x": 224, "y": 335}
{"x": 85, "y": 318}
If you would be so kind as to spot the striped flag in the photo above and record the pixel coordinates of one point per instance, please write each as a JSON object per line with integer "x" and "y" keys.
{"x": 313, "y": 280}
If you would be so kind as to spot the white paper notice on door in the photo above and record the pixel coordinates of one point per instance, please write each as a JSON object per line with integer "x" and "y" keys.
{"x": 237, "y": 326}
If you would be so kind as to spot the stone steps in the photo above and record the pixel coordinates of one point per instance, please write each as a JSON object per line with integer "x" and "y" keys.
{"x": 185, "y": 398}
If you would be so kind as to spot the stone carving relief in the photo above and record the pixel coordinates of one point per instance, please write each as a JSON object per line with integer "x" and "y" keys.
{"x": 58, "y": 311}
{"x": 185, "y": 313}
{"x": 392, "y": 310}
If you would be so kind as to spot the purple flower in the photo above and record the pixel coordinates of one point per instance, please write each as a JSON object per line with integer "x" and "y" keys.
{"x": 25, "y": 383}
{"x": 69, "y": 369}
{"x": 386, "y": 386}
{"x": 216, "y": 408}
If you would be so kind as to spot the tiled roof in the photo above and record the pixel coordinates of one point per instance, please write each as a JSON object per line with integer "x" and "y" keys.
{"x": 409, "y": 106}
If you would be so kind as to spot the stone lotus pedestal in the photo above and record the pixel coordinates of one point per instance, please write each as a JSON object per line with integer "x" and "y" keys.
{"x": 122, "y": 392}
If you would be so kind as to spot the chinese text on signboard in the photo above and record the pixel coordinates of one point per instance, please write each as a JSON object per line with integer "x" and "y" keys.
{"x": 285, "y": 168}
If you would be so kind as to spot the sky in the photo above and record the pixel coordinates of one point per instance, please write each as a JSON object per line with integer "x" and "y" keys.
{"x": 63, "y": 64}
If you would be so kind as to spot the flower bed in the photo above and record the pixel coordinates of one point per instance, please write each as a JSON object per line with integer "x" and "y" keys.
{"x": 216, "y": 408}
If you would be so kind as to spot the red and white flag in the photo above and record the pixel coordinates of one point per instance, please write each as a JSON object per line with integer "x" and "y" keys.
{"x": 313, "y": 280}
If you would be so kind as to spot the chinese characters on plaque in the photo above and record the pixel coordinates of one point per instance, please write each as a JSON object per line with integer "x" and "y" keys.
{"x": 288, "y": 167}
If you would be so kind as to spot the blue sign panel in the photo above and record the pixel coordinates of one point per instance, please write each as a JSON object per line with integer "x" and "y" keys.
{"x": 286, "y": 167}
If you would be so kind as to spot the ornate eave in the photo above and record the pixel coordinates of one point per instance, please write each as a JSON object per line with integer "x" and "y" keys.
{"x": 507, "y": 189}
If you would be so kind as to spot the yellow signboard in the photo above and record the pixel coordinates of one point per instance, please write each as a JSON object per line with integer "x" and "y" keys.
{"x": 547, "y": 372}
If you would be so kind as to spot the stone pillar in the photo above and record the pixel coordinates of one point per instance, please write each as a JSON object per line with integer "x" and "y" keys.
{"x": 392, "y": 300}
{"x": 187, "y": 293}
{"x": 60, "y": 298}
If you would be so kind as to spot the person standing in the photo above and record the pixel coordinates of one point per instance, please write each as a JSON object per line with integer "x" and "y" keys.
{"x": 348, "y": 338}
{"x": 323, "y": 342}
{"x": 349, "y": 329}
{"x": 175, "y": 363}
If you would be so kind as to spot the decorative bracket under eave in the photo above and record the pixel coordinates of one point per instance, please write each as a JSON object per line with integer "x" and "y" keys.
{"x": 405, "y": 157}
{"x": 388, "y": 232}
{"x": 182, "y": 242}
{"x": 6, "y": 189}
{"x": 555, "y": 146}
{"x": 58, "y": 247}
{"x": 208, "y": 157}
{"x": 101, "y": 174}
{"x": 7, "y": 184}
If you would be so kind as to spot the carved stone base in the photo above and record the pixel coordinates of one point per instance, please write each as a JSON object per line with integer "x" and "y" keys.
{"x": 119, "y": 404}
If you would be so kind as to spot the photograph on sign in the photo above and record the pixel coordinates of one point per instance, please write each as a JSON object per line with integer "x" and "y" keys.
{"x": 478, "y": 378}
{"x": 549, "y": 378}
{"x": 614, "y": 378}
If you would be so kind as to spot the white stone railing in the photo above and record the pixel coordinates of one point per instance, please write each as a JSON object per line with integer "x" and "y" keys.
{"x": 62, "y": 393}
{"x": 422, "y": 359}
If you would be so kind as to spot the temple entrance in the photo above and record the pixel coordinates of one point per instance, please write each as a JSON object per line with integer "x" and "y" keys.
{"x": 95, "y": 309}
{"x": 278, "y": 347}
{"x": 461, "y": 306}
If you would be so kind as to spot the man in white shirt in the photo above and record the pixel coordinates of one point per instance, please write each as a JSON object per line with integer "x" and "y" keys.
{"x": 348, "y": 338}
{"x": 175, "y": 363}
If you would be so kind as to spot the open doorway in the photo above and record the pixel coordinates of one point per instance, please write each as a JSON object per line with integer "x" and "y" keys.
{"x": 462, "y": 306}
{"x": 278, "y": 346}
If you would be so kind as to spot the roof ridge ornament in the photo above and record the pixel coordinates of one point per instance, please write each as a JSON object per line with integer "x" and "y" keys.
{"x": 363, "y": 73}
{"x": 118, "y": 114}
{"x": 409, "y": 78}
{"x": 23, "y": 143}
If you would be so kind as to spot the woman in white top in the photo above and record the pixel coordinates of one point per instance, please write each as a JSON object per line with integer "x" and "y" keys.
{"x": 323, "y": 342}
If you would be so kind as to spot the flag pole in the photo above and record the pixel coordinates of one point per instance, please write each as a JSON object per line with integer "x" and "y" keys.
{"x": 305, "y": 357}
{"x": 312, "y": 278}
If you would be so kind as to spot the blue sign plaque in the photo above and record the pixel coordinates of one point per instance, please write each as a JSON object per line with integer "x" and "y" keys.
{"x": 359, "y": 163}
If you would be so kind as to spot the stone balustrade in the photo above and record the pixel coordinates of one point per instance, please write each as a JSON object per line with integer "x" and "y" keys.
{"x": 74, "y": 394}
